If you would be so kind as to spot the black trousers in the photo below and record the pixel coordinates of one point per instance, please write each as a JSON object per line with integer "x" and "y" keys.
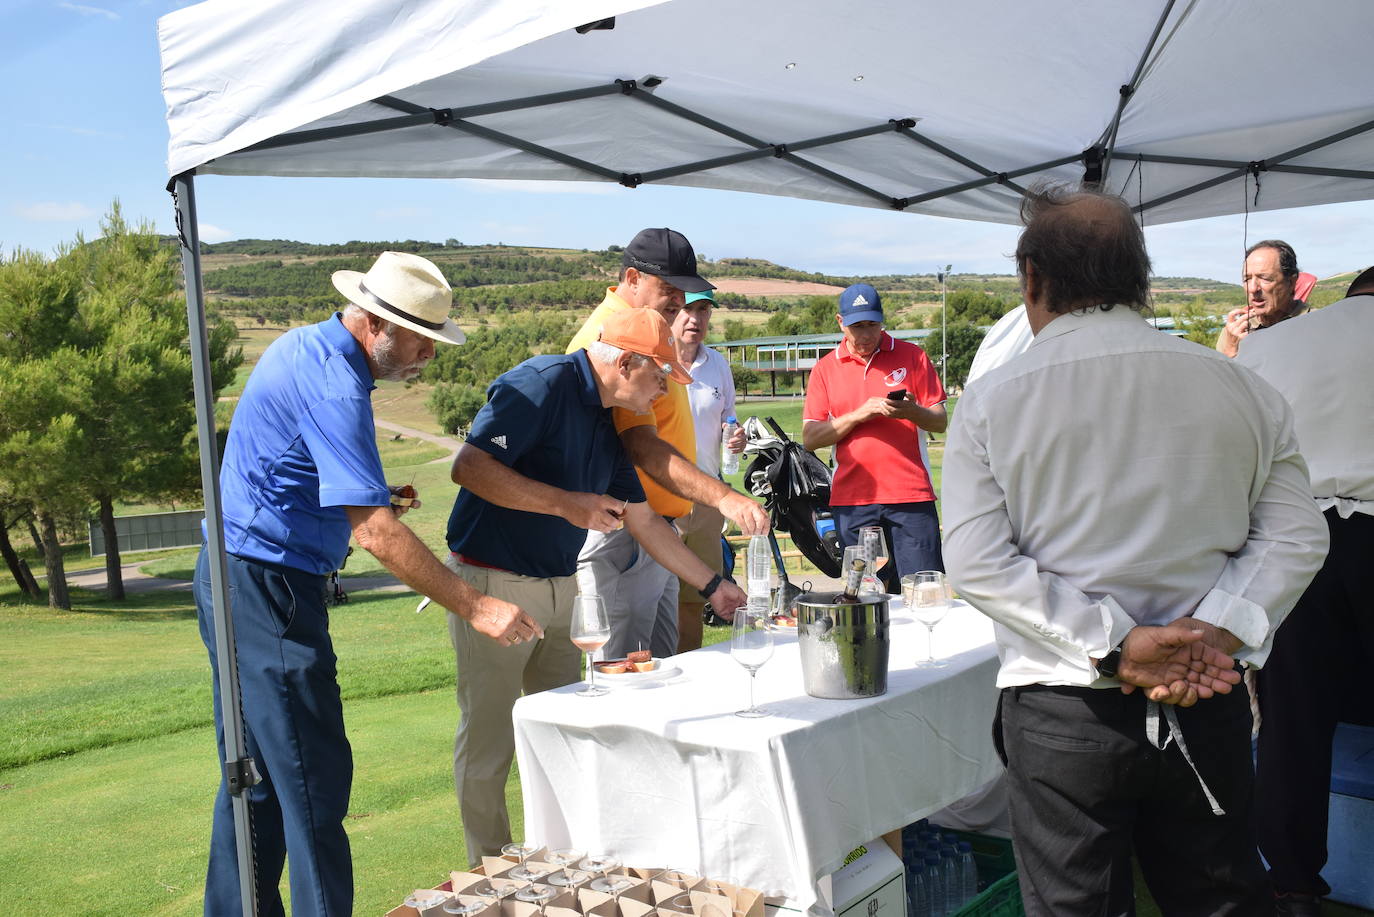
{"x": 1317, "y": 675}
{"x": 1087, "y": 790}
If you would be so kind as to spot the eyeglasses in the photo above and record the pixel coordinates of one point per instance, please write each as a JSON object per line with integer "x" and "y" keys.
{"x": 662, "y": 369}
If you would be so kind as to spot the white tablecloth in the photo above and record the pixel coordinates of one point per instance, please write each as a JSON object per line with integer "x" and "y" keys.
{"x": 666, "y": 775}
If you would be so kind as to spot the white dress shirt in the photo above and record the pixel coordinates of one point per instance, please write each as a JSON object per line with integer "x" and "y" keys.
{"x": 1321, "y": 363}
{"x": 712, "y": 394}
{"x": 1114, "y": 475}
{"x": 1008, "y": 338}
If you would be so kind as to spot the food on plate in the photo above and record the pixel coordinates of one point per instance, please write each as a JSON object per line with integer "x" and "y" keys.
{"x": 639, "y": 656}
{"x": 785, "y": 620}
{"x": 628, "y": 666}
{"x": 404, "y": 495}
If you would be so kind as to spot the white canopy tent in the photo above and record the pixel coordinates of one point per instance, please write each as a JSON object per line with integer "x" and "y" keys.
{"x": 1189, "y": 108}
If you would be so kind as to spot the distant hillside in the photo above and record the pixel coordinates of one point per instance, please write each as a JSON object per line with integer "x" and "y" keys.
{"x": 283, "y": 281}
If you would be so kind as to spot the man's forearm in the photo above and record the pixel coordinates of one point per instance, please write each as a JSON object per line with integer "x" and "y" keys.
{"x": 502, "y": 485}
{"x": 670, "y": 468}
{"x": 398, "y": 549}
{"x": 664, "y": 546}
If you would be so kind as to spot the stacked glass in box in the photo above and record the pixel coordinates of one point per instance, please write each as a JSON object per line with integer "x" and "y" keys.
{"x": 565, "y": 889}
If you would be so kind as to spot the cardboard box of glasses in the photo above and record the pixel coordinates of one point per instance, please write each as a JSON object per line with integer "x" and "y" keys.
{"x": 541, "y": 888}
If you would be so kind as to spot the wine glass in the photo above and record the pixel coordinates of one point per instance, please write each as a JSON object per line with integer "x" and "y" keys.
{"x": 460, "y": 908}
{"x": 677, "y": 877}
{"x": 568, "y": 878}
{"x": 751, "y": 645}
{"x": 523, "y": 852}
{"x": 590, "y": 631}
{"x": 425, "y": 899}
{"x": 874, "y": 543}
{"x": 537, "y": 894}
{"x": 565, "y": 856}
{"x": 599, "y": 863}
{"x": 492, "y": 893}
{"x": 869, "y": 583}
{"x": 927, "y": 597}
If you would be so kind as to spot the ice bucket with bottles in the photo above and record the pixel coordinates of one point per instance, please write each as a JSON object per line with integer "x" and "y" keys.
{"x": 844, "y": 644}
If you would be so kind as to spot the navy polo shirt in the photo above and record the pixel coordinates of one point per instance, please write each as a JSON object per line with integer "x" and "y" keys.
{"x": 301, "y": 447}
{"x": 543, "y": 419}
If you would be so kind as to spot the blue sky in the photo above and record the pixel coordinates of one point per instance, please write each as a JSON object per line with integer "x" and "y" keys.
{"x": 83, "y": 111}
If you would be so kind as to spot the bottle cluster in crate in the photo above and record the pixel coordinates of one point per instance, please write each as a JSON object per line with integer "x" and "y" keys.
{"x": 941, "y": 872}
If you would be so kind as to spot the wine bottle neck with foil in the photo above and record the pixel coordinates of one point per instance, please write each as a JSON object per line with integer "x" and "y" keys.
{"x": 853, "y": 577}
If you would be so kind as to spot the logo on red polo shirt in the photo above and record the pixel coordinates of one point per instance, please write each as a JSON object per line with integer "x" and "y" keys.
{"x": 895, "y": 378}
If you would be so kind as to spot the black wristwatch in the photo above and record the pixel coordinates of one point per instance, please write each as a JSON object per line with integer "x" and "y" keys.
{"x": 711, "y": 587}
{"x": 1107, "y": 666}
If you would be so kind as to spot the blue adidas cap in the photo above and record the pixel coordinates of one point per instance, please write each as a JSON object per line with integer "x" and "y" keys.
{"x": 860, "y": 303}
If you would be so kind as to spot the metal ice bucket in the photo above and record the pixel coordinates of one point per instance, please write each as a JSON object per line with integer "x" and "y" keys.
{"x": 843, "y": 647}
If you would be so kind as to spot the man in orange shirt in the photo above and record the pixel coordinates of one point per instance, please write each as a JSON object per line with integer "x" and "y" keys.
{"x": 658, "y": 270}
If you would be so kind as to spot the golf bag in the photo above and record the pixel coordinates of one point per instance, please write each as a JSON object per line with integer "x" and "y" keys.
{"x": 795, "y": 487}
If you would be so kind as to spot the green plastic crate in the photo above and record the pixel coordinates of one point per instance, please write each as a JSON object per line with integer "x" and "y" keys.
{"x": 1001, "y": 894}
{"x": 1000, "y": 899}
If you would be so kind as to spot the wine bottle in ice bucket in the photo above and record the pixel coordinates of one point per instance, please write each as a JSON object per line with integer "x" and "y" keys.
{"x": 854, "y": 566}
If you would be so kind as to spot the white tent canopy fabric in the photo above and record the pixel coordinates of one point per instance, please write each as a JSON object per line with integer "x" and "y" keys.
{"x": 881, "y": 103}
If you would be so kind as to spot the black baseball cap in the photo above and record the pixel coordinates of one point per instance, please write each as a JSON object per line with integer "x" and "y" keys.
{"x": 665, "y": 253}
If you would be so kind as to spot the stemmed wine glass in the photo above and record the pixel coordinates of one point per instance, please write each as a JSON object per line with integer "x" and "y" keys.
{"x": 751, "y": 645}
{"x": 874, "y": 543}
{"x": 523, "y": 852}
{"x": 537, "y": 894}
{"x": 568, "y": 878}
{"x": 928, "y": 599}
{"x": 590, "y": 631}
{"x": 460, "y": 908}
{"x": 492, "y": 893}
{"x": 870, "y": 583}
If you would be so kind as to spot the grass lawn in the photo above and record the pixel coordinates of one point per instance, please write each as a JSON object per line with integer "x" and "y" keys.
{"x": 107, "y": 753}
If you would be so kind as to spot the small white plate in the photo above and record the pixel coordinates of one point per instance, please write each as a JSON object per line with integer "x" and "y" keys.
{"x": 640, "y": 678}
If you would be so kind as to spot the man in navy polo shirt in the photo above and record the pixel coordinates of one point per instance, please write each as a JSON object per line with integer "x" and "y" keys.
{"x": 870, "y": 398}
{"x": 542, "y": 465}
{"x": 301, "y": 473}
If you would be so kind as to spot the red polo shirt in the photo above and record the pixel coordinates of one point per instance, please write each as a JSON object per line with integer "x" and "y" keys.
{"x": 880, "y": 460}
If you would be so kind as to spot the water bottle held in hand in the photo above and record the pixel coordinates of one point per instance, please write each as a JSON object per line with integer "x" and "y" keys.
{"x": 729, "y": 461}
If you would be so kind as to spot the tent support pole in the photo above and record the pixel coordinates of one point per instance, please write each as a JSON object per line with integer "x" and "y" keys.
{"x": 240, "y": 773}
{"x": 1108, "y": 141}
{"x": 959, "y": 158}
{"x": 1261, "y": 164}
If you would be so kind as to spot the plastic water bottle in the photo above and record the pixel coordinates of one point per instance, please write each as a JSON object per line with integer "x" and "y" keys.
{"x": 729, "y": 461}
{"x": 954, "y": 883}
{"x": 935, "y": 885}
{"x": 760, "y": 566}
{"x": 917, "y": 893}
{"x": 968, "y": 868}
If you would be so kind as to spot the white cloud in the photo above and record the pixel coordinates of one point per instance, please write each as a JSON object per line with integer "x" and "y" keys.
{"x": 497, "y": 186}
{"x": 90, "y": 10}
{"x": 209, "y": 232}
{"x": 55, "y": 212}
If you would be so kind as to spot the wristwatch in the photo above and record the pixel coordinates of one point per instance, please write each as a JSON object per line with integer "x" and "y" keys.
{"x": 1108, "y": 664}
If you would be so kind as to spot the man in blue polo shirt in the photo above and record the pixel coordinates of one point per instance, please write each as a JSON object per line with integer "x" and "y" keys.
{"x": 301, "y": 473}
{"x": 542, "y": 465}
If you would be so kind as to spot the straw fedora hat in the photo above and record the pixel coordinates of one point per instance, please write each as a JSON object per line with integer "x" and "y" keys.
{"x": 405, "y": 289}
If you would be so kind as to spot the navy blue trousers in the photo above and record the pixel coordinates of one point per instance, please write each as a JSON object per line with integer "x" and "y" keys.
{"x": 293, "y": 724}
{"x": 912, "y": 531}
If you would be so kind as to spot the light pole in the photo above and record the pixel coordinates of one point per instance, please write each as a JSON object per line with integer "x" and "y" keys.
{"x": 944, "y": 326}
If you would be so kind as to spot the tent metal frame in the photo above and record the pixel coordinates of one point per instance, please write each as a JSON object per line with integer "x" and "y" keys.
{"x": 239, "y": 769}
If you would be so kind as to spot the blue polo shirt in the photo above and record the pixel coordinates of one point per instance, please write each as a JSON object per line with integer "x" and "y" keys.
{"x": 543, "y": 419}
{"x": 301, "y": 447}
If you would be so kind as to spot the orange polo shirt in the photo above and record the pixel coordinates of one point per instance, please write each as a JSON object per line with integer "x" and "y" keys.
{"x": 671, "y": 415}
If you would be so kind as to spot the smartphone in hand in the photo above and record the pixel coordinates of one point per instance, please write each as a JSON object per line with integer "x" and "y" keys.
{"x": 897, "y": 394}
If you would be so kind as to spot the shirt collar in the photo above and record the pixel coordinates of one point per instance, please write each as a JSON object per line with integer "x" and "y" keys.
{"x": 1071, "y": 321}
{"x": 343, "y": 340}
{"x": 588, "y": 390}
{"x": 886, "y": 342}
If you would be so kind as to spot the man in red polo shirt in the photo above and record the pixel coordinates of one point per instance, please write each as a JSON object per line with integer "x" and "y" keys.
{"x": 870, "y": 398}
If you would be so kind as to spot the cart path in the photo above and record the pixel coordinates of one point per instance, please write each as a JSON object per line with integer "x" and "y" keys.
{"x": 448, "y": 442}
{"x": 136, "y": 581}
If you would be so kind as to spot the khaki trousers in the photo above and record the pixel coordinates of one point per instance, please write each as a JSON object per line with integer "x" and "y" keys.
{"x": 701, "y": 529}
{"x": 491, "y": 678}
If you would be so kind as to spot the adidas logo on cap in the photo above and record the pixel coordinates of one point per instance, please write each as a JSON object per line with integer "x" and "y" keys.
{"x": 859, "y": 301}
